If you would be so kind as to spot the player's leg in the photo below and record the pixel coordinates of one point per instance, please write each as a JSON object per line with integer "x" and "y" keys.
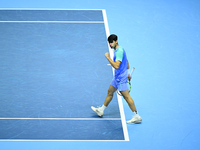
{"x": 109, "y": 96}
{"x": 136, "y": 118}
{"x": 100, "y": 110}
{"x": 129, "y": 100}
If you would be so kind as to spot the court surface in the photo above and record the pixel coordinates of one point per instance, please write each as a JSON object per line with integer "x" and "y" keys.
{"x": 52, "y": 71}
{"x": 161, "y": 39}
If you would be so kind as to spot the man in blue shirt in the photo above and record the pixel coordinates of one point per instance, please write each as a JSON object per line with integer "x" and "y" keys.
{"x": 119, "y": 82}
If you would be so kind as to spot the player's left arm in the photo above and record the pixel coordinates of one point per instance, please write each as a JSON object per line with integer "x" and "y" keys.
{"x": 129, "y": 76}
{"x": 127, "y": 64}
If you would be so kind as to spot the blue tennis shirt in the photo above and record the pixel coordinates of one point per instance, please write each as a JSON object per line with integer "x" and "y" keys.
{"x": 120, "y": 55}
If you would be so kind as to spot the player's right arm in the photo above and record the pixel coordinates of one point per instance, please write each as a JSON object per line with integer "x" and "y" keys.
{"x": 129, "y": 76}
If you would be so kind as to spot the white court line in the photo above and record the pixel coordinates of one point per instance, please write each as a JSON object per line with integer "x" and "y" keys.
{"x": 35, "y": 140}
{"x": 60, "y": 119}
{"x": 47, "y": 9}
{"x": 126, "y": 136}
{"x": 51, "y": 22}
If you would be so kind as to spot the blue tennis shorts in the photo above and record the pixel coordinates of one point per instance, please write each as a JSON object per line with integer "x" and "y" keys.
{"x": 120, "y": 85}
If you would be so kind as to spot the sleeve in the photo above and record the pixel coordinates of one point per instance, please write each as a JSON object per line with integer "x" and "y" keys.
{"x": 119, "y": 55}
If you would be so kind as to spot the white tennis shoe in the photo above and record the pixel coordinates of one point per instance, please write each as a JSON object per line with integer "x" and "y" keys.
{"x": 98, "y": 111}
{"x": 136, "y": 119}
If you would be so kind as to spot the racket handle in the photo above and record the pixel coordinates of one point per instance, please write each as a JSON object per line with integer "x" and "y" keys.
{"x": 132, "y": 72}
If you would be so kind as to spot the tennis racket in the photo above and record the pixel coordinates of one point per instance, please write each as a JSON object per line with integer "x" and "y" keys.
{"x": 128, "y": 83}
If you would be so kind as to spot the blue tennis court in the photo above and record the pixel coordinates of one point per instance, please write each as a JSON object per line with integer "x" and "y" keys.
{"x": 52, "y": 70}
{"x": 45, "y": 54}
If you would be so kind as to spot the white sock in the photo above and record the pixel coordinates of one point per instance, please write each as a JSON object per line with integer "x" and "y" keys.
{"x": 103, "y": 108}
{"x": 135, "y": 113}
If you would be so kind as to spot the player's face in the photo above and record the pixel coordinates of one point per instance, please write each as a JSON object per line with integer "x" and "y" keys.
{"x": 113, "y": 44}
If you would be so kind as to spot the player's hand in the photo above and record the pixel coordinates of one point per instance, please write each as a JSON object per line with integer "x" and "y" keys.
{"x": 106, "y": 54}
{"x": 129, "y": 77}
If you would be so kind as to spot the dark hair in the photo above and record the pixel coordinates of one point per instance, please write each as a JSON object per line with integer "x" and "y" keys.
{"x": 112, "y": 38}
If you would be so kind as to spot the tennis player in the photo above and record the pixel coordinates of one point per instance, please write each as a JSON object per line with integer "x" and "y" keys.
{"x": 119, "y": 82}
